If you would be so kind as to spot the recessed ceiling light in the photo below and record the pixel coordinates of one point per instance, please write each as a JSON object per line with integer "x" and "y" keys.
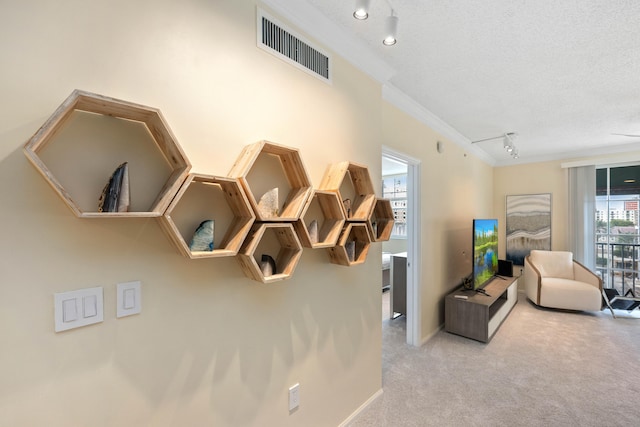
{"x": 629, "y": 181}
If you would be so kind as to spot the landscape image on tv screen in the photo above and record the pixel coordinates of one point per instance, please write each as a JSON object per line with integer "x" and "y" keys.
{"x": 485, "y": 251}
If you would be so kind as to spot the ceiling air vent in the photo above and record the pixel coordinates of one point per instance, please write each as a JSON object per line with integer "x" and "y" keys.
{"x": 274, "y": 38}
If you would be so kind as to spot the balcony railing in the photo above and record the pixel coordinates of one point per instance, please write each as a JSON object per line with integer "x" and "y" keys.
{"x": 618, "y": 264}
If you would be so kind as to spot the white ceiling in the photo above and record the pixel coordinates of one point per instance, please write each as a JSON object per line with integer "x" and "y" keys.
{"x": 564, "y": 75}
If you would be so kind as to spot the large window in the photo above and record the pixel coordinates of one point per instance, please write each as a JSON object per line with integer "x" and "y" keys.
{"x": 617, "y": 238}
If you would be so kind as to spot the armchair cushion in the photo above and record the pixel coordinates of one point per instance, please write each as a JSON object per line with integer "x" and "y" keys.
{"x": 569, "y": 294}
{"x": 557, "y": 264}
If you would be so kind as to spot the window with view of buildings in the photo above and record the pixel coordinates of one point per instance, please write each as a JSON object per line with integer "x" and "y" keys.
{"x": 617, "y": 237}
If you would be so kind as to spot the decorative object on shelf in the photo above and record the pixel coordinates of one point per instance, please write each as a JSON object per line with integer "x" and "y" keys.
{"x": 268, "y": 265}
{"x": 347, "y": 207}
{"x": 350, "y": 247}
{"x": 203, "y": 237}
{"x": 268, "y": 204}
{"x": 124, "y": 200}
{"x": 115, "y": 195}
{"x": 313, "y": 231}
{"x": 374, "y": 229}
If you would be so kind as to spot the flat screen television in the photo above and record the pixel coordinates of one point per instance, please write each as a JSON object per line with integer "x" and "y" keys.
{"x": 485, "y": 251}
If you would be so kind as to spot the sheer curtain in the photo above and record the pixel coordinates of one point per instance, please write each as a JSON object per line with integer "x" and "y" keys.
{"x": 582, "y": 208}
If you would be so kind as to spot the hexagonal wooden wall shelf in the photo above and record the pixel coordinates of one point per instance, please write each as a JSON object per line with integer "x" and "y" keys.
{"x": 353, "y": 184}
{"x": 77, "y": 149}
{"x": 275, "y": 180}
{"x": 321, "y": 221}
{"x": 275, "y": 240}
{"x": 353, "y": 245}
{"x": 205, "y": 197}
{"x": 380, "y": 222}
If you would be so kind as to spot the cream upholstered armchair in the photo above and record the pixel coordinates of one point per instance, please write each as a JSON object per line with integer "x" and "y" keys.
{"x": 554, "y": 279}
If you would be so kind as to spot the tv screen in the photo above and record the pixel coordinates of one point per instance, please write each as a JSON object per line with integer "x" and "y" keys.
{"x": 485, "y": 251}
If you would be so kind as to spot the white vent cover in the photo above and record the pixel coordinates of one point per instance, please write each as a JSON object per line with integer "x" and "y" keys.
{"x": 274, "y": 38}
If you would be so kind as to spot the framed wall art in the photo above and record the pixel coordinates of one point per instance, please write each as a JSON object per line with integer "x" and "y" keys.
{"x": 528, "y": 225}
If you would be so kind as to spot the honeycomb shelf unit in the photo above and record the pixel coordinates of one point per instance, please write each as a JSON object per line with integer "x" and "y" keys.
{"x": 352, "y": 182}
{"x": 89, "y": 135}
{"x": 279, "y": 241}
{"x": 202, "y": 197}
{"x": 325, "y": 208}
{"x": 380, "y": 222}
{"x": 357, "y": 235}
{"x": 265, "y": 168}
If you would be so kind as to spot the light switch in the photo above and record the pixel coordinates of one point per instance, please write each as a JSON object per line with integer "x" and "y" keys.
{"x": 74, "y": 309}
{"x": 129, "y": 299}
{"x": 89, "y": 306}
{"x": 69, "y": 310}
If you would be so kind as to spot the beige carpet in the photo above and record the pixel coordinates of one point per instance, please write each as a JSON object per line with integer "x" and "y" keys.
{"x": 542, "y": 368}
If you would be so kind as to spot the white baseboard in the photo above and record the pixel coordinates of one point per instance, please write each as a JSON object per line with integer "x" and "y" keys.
{"x": 362, "y": 407}
{"x": 431, "y": 335}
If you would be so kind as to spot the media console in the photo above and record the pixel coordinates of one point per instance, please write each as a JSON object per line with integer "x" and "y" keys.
{"x": 479, "y": 316}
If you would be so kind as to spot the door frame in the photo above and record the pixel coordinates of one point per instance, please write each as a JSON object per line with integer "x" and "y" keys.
{"x": 414, "y": 233}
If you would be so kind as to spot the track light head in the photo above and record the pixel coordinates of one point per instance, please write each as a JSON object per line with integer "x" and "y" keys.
{"x": 507, "y": 143}
{"x": 362, "y": 9}
{"x": 390, "y": 30}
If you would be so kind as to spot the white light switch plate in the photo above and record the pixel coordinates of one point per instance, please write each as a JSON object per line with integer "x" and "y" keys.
{"x": 74, "y": 309}
{"x": 129, "y": 299}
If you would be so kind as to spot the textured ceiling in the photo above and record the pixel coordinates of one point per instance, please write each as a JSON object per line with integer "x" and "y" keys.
{"x": 564, "y": 75}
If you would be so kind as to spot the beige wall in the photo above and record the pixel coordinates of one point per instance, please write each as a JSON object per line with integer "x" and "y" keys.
{"x": 455, "y": 188}
{"x": 534, "y": 178}
{"x": 210, "y": 347}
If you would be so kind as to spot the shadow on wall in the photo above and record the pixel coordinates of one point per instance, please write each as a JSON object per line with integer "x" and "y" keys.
{"x": 458, "y": 252}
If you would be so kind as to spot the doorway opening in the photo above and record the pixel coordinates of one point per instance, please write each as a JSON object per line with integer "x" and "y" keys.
{"x": 401, "y": 185}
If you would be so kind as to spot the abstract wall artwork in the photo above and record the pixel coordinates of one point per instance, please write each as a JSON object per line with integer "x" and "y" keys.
{"x": 528, "y": 225}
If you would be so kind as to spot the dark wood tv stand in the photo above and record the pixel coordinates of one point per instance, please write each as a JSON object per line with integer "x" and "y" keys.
{"x": 479, "y": 316}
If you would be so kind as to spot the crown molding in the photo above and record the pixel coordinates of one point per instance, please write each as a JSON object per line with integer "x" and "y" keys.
{"x": 308, "y": 19}
{"x": 401, "y": 100}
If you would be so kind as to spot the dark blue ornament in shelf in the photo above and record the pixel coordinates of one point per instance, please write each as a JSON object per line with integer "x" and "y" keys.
{"x": 203, "y": 237}
{"x": 115, "y": 195}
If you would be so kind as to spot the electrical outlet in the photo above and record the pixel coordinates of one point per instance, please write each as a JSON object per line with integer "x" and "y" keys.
{"x": 294, "y": 396}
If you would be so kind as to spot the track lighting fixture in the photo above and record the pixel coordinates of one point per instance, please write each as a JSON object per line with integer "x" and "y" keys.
{"x": 390, "y": 30}
{"x": 507, "y": 143}
{"x": 361, "y": 13}
{"x": 362, "y": 9}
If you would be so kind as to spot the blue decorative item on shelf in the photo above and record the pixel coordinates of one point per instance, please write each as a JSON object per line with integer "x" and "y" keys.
{"x": 203, "y": 237}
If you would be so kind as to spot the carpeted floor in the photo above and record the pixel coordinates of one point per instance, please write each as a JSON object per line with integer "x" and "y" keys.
{"x": 542, "y": 368}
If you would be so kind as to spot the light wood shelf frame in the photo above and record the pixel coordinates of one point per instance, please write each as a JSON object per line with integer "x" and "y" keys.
{"x": 382, "y": 216}
{"x": 164, "y": 139}
{"x": 358, "y": 233}
{"x": 326, "y": 207}
{"x": 289, "y": 251}
{"x": 293, "y": 169}
{"x": 243, "y": 217}
{"x": 355, "y": 176}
